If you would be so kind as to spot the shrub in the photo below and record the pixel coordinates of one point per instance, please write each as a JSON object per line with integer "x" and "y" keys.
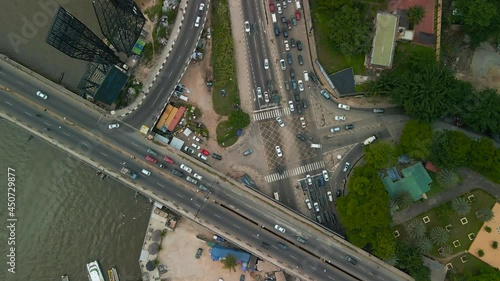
{"x": 494, "y": 245}
{"x": 487, "y": 229}
{"x": 480, "y": 253}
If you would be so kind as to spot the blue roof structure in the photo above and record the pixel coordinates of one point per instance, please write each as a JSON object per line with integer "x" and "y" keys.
{"x": 219, "y": 252}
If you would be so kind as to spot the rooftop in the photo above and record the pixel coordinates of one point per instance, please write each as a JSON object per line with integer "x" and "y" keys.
{"x": 384, "y": 40}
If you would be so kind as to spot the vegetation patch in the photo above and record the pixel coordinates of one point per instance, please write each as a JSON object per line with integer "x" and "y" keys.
{"x": 226, "y": 135}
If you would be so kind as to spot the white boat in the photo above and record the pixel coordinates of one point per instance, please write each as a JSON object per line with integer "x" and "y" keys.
{"x": 65, "y": 277}
{"x": 95, "y": 273}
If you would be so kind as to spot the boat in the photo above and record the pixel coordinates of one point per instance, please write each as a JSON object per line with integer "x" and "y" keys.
{"x": 113, "y": 274}
{"x": 95, "y": 273}
{"x": 65, "y": 277}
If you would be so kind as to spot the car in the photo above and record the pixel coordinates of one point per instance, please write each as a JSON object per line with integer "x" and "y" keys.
{"x": 325, "y": 94}
{"x": 114, "y": 126}
{"x": 41, "y": 95}
{"x": 202, "y": 157}
{"x": 349, "y": 127}
{"x": 335, "y": 129}
{"x": 309, "y": 179}
{"x": 278, "y": 7}
{"x": 346, "y": 167}
{"x": 255, "y": 29}
{"x": 290, "y": 104}
{"x": 294, "y": 84}
{"x": 289, "y": 58}
{"x": 292, "y": 43}
{"x": 188, "y": 149}
{"x": 299, "y": 108}
{"x": 280, "y": 122}
{"x": 265, "y": 245}
{"x": 304, "y": 103}
{"x": 293, "y": 20}
{"x": 177, "y": 173}
{"x": 195, "y": 138}
{"x": 340, "y": 118}
{"x": 282, "y": 64}
{"x": 271, "y": 6}
{"x": 306, "y": 76}
{"x": 289, "y": 24}
{"x": 247, "y": 152}
{"x": 216, "y": 156}
{"x": 344, "y": 106}
{"x": 247, "y": 27}
{"x": 301, "y": 85}
{"x": 195, "y": 146}
{"x": 198, "y": 176}
{"x": 266, "y": 97}
{"x": 242, "y": 276}
{"x": 205, "y": 152}
{"x": 269, "y": 83}
{"x": 339, "y": 193}
{"x": 168, "y": 160}
{"x": 278, "y": 151}
{"x": 279, "y": 228}
{"x": 287, "y": 85}
{"x": 316, "y": 207}
{"x": 276, "y": 31}
{"x": 299, "y": 45}
{"x": 351, "y": 260}
{"x": 330, "y": 196}
{"x": 301, "y": 137}
{"x": 283, "y": 19}
{"x": 152, "y": 152}
{"x": 201, "y": 7}
{"x": 197, "y": 21}
{"x": 325, "y": 175}
{"x": 287, "y": 46}
{"x": 151, "y": 159}
{"x": 301, "y": 240}
{"x": 146, "y": 172}
{"x": 378, "y": 110}
{"x": 280, "y": 169}
{"x": 301, "y": 60}
{"x": 284, "y": 4}
{"x": 297, "y": 15}
{"x": 282, "y": 246}
{"x": 259, "y": 92}
{"x": 266, "y": 64}
{"x": 198, "y": 253}
{"x": 308, "y": 204}
{"x": 292, "y": 73}
{"x": 186, "y": 168}
{"x": 218, "y": 238}
{"x": 302, "y": 122}
{"x": 296, "y": 96}
{"x": 285, "y": 33}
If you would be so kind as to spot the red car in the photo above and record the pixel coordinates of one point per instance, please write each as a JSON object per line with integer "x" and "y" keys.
{"x": 271, "y": 6}
{"x": 169, "y": 160}
{"x": 297, "y": 15}
{"x": 204, "y": 151}
{"x": 151, "y": 159}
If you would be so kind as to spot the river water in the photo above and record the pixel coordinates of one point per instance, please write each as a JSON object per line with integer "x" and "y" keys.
{"x": 66, "y": 216}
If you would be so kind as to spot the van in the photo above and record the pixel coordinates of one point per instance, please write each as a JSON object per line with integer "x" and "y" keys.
{"x": 306, "y": 76}
{"x": 146, "y": 172}
{"x": 297, "y": 4}
{"x": 325, "y": 94}
{"x": 316, "y": 145}
{"x": 273, "y": 16}
{"x": 369, "y": 140}
{"x": 184, "y": 98}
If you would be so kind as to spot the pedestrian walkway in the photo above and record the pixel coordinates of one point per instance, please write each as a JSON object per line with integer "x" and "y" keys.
{"x": 471, "y": 180}
{"x": 271, "y": 114}
{"x": 296, "y": 171}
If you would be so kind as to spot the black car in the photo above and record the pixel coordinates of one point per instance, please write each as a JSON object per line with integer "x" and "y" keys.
{"x": 283, "y": 19}
{"x": 304, "y": 103}
{"x": 292, "y": 43}
{"x": 276, "y": 31}
{"x": 282, "y": 246}
{"x": 255, "y": 28}
{"x": 294, "y": 84}
{"x": 177, "y": 173}
{"x": 349, "y": 127}
{"x": 269, "y": 83}
{"x": 287, "y": 86}
{"x": 301, "y": 60}
{"x": 265, "y": 245}
{"x": 292, "y": 73}
{"x": 289, "y": 58}
{"x": 313, "y": 76}
{"x": 339, "y": 193}
{"x": 301, "y": 137}
{"x": 285, "y": 32}
{"x": 216, "y": 156}
{"x": 280, "y": 169}
{"x": 299, "y": 45}
{"x": 297, "y": 96}
{"x": 299, "y": 108}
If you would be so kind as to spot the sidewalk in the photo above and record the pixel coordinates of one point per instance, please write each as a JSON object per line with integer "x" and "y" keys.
{"x": 471, "y": 180}
{"x": 161, "y": 59}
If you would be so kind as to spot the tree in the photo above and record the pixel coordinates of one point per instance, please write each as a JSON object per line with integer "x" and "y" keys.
{"x": 380, "y": 154}
{"x": 481, "y": 18}
{"x": 439, "y": 236}
{"x": 230, "y": 263}
{"x": 404, "y": 199}
{"x": 447, "y": 178}
{"x": 461, "y": 206}
{"x": 444, "y": 211}
{"x": 392, "y": 260}
{"x": 410, "y": 261}
{"x": 239, "y": 119}
{"x": 446, "y": 251}
{"x": 481, "y": 111}
{"x": 485, "y": 215}
{"x": 415, "y": 229}
{"x": 424, "y": 245}
{"x": 450, "y": 149}
{"x": 481, "y": 156}
{"x": 416, "y": 139}
{"x": 415, "y": 15}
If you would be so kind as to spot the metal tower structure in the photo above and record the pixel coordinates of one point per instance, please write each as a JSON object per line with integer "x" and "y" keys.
{"x": 121, "y": 22}
{"x": 72, "y": 37}
{"x": 94, "y": 76}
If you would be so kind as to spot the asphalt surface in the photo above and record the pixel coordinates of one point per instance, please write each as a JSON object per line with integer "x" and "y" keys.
{"x": 87, "y": 133}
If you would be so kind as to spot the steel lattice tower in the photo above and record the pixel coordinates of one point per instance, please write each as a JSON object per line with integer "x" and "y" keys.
{"x": 121, "y": 22}
{"x": 72, "y": 37}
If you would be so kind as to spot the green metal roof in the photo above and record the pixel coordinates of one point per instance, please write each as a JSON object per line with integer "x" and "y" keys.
{"x": 415, "y": 181}
{"x": 384, "y": 41}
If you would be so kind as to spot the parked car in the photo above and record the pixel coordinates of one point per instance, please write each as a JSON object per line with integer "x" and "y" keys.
{"x": 285, "y": 33}
{"x": 308, "y": 204}
{"x": 271, "y": 6}
{"x": 293, "y": 20}
{"x": 316, "y": 207}
{"x": 195, "y": 146}
{"x": 339, "y": 193}
{"x": 340, "y": 118}
{"x": 344, "y": 106}
{"x": 278, "y": 151}
{"x": 299, "y": 45}
{"x": 280, "y": 122}
{"x": 287, "y": 46}
{"x": 292, "y": 43}
{"x": 297, "y": 15}
{"x": 198, "y": 176}
{"x": 282, "y": 64}
{"x": 301, "y": 60}
{"x": 349, "y": 127}
{"x": 216, "y": 156}
{"x": 330, "y": 196}
{"x": 247, "y": 152}
{"x": 309, "y": 179}
{"x": 191, "y": 180}
{"x": 301, "y": 137}
{"x": 378, "y": 110}
{"x": 218, "y": 238}
{"x": 283, "y": 19}
{"x": 202, "y": 157}
{"x": 301, "y": 85}
{"x": 266, "y": 96}
{"x": 198, "y": 253}
{"x": 325, "y": 175}
{"x": 114, "y": 126}
{"x": 292, "y": 73}
{"x": 302, "y": 122}
{"x": 335, "y": 129}
{"x": 290, "y": 104}
{"x": 289, "y": 58}
{"x": 188, "y": 149}
{"x": 304, "y": 103}
{"x": 205, "y": 152}
{"x": 186, "y": 168}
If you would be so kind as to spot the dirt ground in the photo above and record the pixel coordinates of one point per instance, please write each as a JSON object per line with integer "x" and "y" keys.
{"x": 484, "y": 239}
{"x": 178, "y": 250}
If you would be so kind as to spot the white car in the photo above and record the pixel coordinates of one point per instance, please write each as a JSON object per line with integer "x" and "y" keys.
{"x": 198, "y": 176}
{"x": 282, "y": 64}
{"x": 308, "y": 204}
{"x": 114, "y": 126}
{"x": 344, "y": 106}
{"x": 330, "y": 196}
{"x": 266, "y": 97}
{"x": 309, "y": 179}
{"x": 191, "y": 180}
{"x": 316, "y": 207}
{"x": 42, "y": 95}
{"x": 335, "y": 129}
{"x": 266, "y": 64}
{"x": 195, "y": 146}
{"x": 306, "y": 76}
{"x": 340, "y": 118}
{"x": 290, "y": 104}
{"x": 247, "y": 27}
{"x": 195, "y": 138}
{"x": 287, "y": 46}
{"x": 346, "y": 167}
{"x": 186, "y": 168}
{"x": 201, "y": 7}
{"x": 197, "y": 21}
{"x": 202, "y": 157}
{"x": 280, "y": 122}
{"x": 302, "y": 122}
{"x": 301, "y": 85}
{"x": 259, "y": 92}
{"x": 279, "y": 228}
{"x": 278, "y": 6}
{"x": 325, "y": 175}
{"x": 278, "y": 151}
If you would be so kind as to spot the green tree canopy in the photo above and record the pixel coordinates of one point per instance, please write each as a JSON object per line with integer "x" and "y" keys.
{"x": 415, "y": 15}
{"x": 450, "y": 149}
{"x": 239, "y": 119}
{"x": 481, "y": 18}
{"x": 416, "y": 139}
{"x": 230, "y": 263}
{"x": 410, "y": 261}
{"x": 380, "y": 154}
{"x": 481, "y": 111}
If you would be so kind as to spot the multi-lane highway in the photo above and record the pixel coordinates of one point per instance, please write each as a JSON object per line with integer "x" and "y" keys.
{"x": 239, "y": 214}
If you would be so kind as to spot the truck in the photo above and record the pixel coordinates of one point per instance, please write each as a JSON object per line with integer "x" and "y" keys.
{"x": 127, "y": 171}
{"x": 370, "y": 140}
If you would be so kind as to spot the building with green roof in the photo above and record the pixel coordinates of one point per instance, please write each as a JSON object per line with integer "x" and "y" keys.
{"x": 414, "y": 179}
{"x": 384, "y": 41}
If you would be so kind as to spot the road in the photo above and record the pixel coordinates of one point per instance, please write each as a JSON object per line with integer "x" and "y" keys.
{"x": 86, "y": 133}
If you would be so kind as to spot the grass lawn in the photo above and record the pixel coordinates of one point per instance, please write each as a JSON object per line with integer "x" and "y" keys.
{"x": 459, "y": 231}
{"x": 404, "y": 49}
{"x": 436, "y": 188}
{"x": 226, "y": 136}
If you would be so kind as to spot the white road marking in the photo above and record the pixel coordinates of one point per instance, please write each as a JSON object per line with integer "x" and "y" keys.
{"x": 293, "y": 257}
{"x": 8, "y": 103}
{"x": 2, "y": 73}
{"x": 135, "y": 144}
{"x": 69, "y": 135}
{"x": 160, "y": 184}
{"x": 178, "y": 58}
{"x": 236, "y": 226}
{"x": 185, "y": 44}
{"x": 331, "y": 277}
{"x": 169, "y": 75}
{"x": 104, "y": 154}
{"x": 20, "y": 82}
{"x": 218, "y": 216}
{"x": 28, "y": 113}
{"x": 314, "y": 268}
{"x": 180, "y": 195}
{"x": 47, "y": 124}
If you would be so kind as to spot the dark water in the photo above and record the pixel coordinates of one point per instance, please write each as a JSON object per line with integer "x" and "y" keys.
{"x": 66, "y": 216}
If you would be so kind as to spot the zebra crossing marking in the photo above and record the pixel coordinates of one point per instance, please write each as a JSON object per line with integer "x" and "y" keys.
{"x": 270, "y": 114}
{"x": 295, "y": 171}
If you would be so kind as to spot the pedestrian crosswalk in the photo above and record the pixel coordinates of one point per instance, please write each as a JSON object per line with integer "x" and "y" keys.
{"x": 296, "y": 171}
{"x": 270, "y": 114}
